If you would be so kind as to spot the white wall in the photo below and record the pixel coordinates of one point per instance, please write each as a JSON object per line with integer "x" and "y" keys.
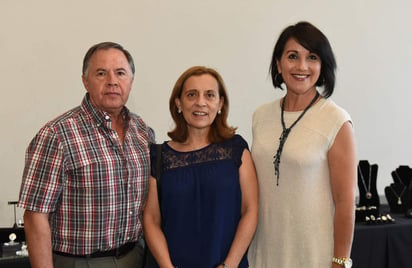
{"x": 42, "y": 44}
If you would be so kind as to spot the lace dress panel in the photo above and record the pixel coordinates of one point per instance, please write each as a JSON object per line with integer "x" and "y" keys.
{"x": 174, "y": 159}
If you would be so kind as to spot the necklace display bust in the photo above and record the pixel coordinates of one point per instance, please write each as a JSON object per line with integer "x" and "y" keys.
{"x": 398, "y": 194}
{"x": 367, "y": 176}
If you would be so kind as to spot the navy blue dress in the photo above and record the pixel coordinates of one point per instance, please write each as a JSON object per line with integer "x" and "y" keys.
{"x": 201, "y": 201}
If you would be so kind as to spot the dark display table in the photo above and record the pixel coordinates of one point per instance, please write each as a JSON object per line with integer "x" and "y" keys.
{"x": 383, "y": 245}
{"x": 13, "y": 261}
{"x": 374, "y": 245}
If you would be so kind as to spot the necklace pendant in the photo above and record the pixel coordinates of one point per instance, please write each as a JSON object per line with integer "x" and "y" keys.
{"x": 399, "y": 201}
{"x": 368, "y": 195}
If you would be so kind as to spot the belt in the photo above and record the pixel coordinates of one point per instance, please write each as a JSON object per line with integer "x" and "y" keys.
{"x": 116, "y": 252}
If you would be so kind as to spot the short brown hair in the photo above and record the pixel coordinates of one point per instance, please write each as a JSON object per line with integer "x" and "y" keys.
{"x": 219, "y": 130}
{"x": 105, "y": 46}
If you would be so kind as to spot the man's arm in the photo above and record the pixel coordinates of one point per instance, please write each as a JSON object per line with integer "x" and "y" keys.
{"x": 38, "y": 238}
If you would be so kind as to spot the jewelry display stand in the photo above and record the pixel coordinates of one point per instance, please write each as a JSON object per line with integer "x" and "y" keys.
{"x": 395, "y": 194}
{"x": 367, "y": 176}
{"x": 10, "y": 248}
{"x": 398, "y": 194}
{"x": 368, "y": 194}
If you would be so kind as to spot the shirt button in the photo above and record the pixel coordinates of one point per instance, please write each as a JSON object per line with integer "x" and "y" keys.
{"x": 107, "y": 117}
{"x": 131, "y": 212}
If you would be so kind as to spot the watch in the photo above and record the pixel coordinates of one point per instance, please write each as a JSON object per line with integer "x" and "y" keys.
{"x": 345, "y": 262}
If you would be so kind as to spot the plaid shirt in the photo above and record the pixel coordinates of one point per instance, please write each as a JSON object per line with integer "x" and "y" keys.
{"x": 94, "y": 187}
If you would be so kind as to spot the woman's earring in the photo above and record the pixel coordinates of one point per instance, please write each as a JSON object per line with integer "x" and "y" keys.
{"x": 219, "y": 112}
{"x": 179, "y": 111}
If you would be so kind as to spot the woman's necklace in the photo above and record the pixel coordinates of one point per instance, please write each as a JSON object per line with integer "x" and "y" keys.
{"x": 368, "y": 194}
{"x": 285, "y": 133}
{"x": 398, "y": 196}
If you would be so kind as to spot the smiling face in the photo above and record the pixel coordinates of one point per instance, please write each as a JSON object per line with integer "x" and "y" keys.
{"x": 108, "y": 80}
{"x": 200, "y": 101}
{"x": 299, "y": 67}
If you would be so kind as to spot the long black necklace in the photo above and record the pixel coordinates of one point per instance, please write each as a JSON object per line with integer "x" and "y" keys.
{"x": 285, "y": 133}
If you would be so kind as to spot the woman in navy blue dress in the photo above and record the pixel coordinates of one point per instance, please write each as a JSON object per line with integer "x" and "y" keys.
{"x": 209, "y": 200}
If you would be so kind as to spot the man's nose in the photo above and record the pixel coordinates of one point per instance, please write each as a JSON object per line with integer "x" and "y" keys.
{"x": 111, "y": 79}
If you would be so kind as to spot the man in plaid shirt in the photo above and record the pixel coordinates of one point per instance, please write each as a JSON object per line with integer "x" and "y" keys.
{"x": 86, "y": 173}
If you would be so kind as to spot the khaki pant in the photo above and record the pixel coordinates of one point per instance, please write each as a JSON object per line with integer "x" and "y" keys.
{"x": 133, "y": 259}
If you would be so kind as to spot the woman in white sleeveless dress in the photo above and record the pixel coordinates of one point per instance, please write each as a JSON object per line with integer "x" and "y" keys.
{"x": 304, "y": 151}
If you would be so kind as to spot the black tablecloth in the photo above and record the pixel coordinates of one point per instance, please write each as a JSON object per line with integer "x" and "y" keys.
{"x": 15, "y": 262}
{"x": 7, "y": 261}
{"x": 374, "y": 246}
{"x": 383, "y": 245}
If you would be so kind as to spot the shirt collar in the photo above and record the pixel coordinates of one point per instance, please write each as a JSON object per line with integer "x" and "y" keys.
{"x": 99, "y": 116}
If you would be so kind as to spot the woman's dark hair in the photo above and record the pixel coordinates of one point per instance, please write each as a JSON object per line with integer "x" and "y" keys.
{"x": 105, "y": 46}
{"x": 219, "y": 130}
{"x": 313, "y": 40}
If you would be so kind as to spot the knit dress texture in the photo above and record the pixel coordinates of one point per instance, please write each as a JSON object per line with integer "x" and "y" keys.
{"x": 295, "y": 227}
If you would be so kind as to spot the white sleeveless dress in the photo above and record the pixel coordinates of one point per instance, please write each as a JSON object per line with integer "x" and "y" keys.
{"x": 295, "y": 227}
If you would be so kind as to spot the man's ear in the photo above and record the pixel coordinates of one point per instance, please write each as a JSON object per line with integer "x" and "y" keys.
{"x": 85, "y": 83}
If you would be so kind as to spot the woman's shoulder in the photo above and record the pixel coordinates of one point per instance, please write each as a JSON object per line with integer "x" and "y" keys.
{"x": 236, "y": 146}
{"x": 266, "y": 109}
{"x": 237, "y": 141}
{"x": 154, "y": 147}
{"x": 268, "y": 106}
{"x": 237, "y": 138}
{"x": 331, "y": 109}
{"x": 266, "y": 114}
